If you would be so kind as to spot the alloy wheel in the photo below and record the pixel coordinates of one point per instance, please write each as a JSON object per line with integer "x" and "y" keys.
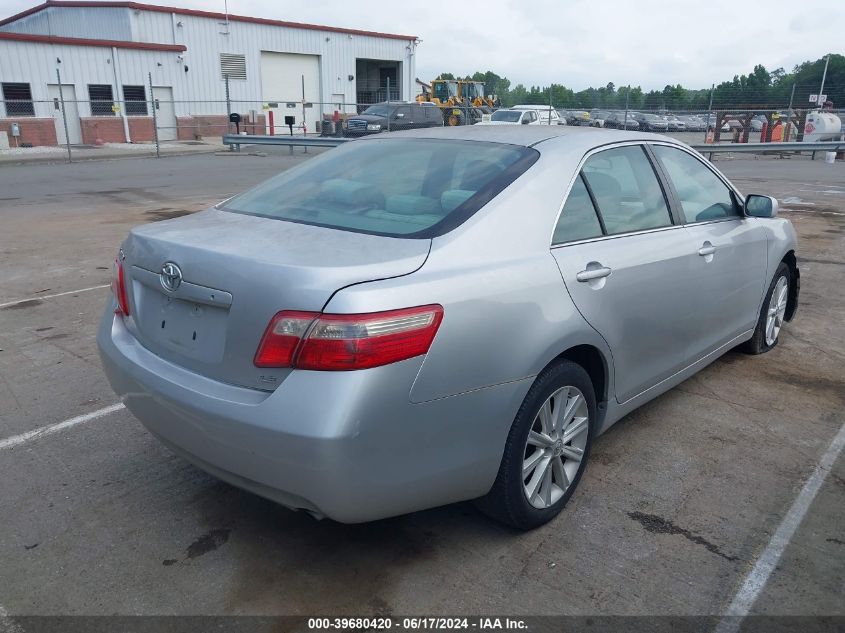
{"x": 777, "y": 309}
{"x": 555, "y": 447}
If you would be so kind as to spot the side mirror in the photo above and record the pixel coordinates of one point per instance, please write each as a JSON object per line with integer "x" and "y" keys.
{"x": 525, "y": 121}
{"x": 758, "y": 206}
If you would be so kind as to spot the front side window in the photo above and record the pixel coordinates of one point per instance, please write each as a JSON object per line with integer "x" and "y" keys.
{"x": 578, "y": 220}
{"x": 702, "y": 193}
{"x": 379, "y": 110}
{"x": 102, "y": 99}
{"x": 626, "y": 190}
{"x": 410, "y": 187}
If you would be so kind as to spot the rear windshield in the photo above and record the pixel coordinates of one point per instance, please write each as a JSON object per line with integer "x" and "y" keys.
{"x": 395, "y": 187}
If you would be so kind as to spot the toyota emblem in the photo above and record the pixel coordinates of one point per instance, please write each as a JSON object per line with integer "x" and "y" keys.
{"x": 170, "y": 276}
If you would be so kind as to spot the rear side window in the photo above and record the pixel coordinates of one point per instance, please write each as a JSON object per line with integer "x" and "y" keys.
{"x": 626, "y": 190}
{"x": 408, "y": 187}
{"x": 578, "y": 220}
{"x": 702, "y": 193}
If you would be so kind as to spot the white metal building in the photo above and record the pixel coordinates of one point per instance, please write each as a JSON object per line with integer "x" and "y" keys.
{"x": 107, "y": 51}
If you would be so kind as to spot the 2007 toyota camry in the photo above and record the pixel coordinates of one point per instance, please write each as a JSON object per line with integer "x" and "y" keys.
{"x": 439, "y": 315}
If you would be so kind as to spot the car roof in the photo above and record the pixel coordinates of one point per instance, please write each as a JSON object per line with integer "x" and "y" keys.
{"x": 581, "y": 138}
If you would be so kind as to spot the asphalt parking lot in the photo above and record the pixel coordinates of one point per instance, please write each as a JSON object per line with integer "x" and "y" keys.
{"x": 679, "y": 501}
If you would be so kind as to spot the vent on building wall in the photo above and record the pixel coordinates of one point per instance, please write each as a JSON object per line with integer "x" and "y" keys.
{"x": 233, "y": 65}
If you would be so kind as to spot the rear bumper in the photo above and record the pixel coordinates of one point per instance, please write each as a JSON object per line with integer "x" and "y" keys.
{"x": 347, "y": 445}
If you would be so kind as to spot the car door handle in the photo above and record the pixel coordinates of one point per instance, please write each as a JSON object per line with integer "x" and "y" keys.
{"x": 706, "y": 249}
{"x": 593, "y": 273}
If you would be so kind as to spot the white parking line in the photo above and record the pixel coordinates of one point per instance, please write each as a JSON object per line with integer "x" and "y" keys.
{"x": 17, "y": 440}
{"x": 58, "y": 294}
{"x": 759, "y": 575}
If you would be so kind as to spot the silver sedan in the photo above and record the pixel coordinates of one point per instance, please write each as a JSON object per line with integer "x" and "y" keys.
{"x": 427, "y": 317}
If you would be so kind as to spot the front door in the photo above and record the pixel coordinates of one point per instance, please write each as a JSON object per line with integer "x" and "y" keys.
{"x": 165, "y": 113}
{"x": 74, "y": 130}
{"x": 624, "y": 263}
{"x": 728, "y": 263}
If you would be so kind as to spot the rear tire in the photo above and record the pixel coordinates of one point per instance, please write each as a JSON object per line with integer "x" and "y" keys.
{"x": 547, "y": 449}
{"x": 772, "y": 312}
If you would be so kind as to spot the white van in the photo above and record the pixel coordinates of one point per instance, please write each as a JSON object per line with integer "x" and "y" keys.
{"x": 544, "y": 113}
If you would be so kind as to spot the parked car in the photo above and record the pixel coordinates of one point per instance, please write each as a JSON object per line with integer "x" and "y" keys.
{"x": 674, "y": 123}
{"x": 757, "y": 122}
{"x": 618, "y": 121}
{"x": 577, "y": 117}
{"x": 693, "y": 123}
{"x": 401, "y": 116}
{"x": 597, "y": 117}
{"x": 507, "y": 116}
{"x": 544, "y": 112}
{"x": 375, "y": 331}
{"x": 651, "y": 122}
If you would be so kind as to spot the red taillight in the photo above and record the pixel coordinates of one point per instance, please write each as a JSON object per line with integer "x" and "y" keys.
{"x": 118, "y": 288}
{"x": 282, "y": 337}
{"x": 336, "y": 342}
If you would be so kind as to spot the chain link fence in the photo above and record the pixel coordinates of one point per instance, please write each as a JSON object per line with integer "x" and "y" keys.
{"x": 150, "y": 118}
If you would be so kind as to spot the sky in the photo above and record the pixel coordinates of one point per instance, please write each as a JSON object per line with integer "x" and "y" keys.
{"x": 576, "y": 43}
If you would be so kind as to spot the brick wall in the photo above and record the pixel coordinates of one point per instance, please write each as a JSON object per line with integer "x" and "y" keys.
{"x": 107, "y": 128}
{"x": 206, "y": 125}
{"x": 42, "y": 131}
{"x": 35, "y": 130}
{"x": 141, "y": 129}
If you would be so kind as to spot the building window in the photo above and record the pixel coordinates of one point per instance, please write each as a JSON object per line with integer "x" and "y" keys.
{"x": 233, "y": 65}
{"x": 135, "y": 99}
{"x": 18, "y": 99}
{"x": 102, "y": 99}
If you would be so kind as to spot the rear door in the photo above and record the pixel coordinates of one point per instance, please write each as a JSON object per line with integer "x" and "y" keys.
{"x": 729, "y": 264}
{"x": 624, "y": 262}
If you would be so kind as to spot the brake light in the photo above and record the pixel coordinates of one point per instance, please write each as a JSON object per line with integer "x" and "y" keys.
{"x": 118, "y": 288}
{"x": 338, "y": 342}
{"x": 282, "y": 337}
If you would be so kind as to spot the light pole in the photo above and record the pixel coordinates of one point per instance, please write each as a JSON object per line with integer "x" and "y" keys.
{"x": 824, "y": 76}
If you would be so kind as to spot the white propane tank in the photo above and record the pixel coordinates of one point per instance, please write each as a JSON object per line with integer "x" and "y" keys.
{"x": 822, "y": 126}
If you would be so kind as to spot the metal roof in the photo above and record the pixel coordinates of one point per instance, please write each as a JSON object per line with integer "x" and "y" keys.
{"x": 196, "y": 13}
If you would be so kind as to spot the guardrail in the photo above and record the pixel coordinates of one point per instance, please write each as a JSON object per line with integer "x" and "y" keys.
{"x": 284, "y": 141}
{"x": 704, "y": 148}
{"x": 769, "y": 148}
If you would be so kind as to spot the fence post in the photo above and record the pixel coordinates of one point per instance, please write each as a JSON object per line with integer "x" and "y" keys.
{"x": 789, "y": 115}
{"x": 709, "y": 110}
{"x": 627, "y": 96}
{"x": 64, "y": 115}
{"x": 388, "y": 104}
{"x": 155, "y": 117}
{"x": 228, "y": 110}
{"x": 551, "y": 89}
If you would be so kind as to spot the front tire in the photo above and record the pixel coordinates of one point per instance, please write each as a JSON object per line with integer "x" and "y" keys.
{"x": 772, "y": 313}
{"x": 547, "y": 449}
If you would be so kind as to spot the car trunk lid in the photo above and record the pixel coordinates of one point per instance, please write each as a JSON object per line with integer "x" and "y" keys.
{"x": 236, "y": 271}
